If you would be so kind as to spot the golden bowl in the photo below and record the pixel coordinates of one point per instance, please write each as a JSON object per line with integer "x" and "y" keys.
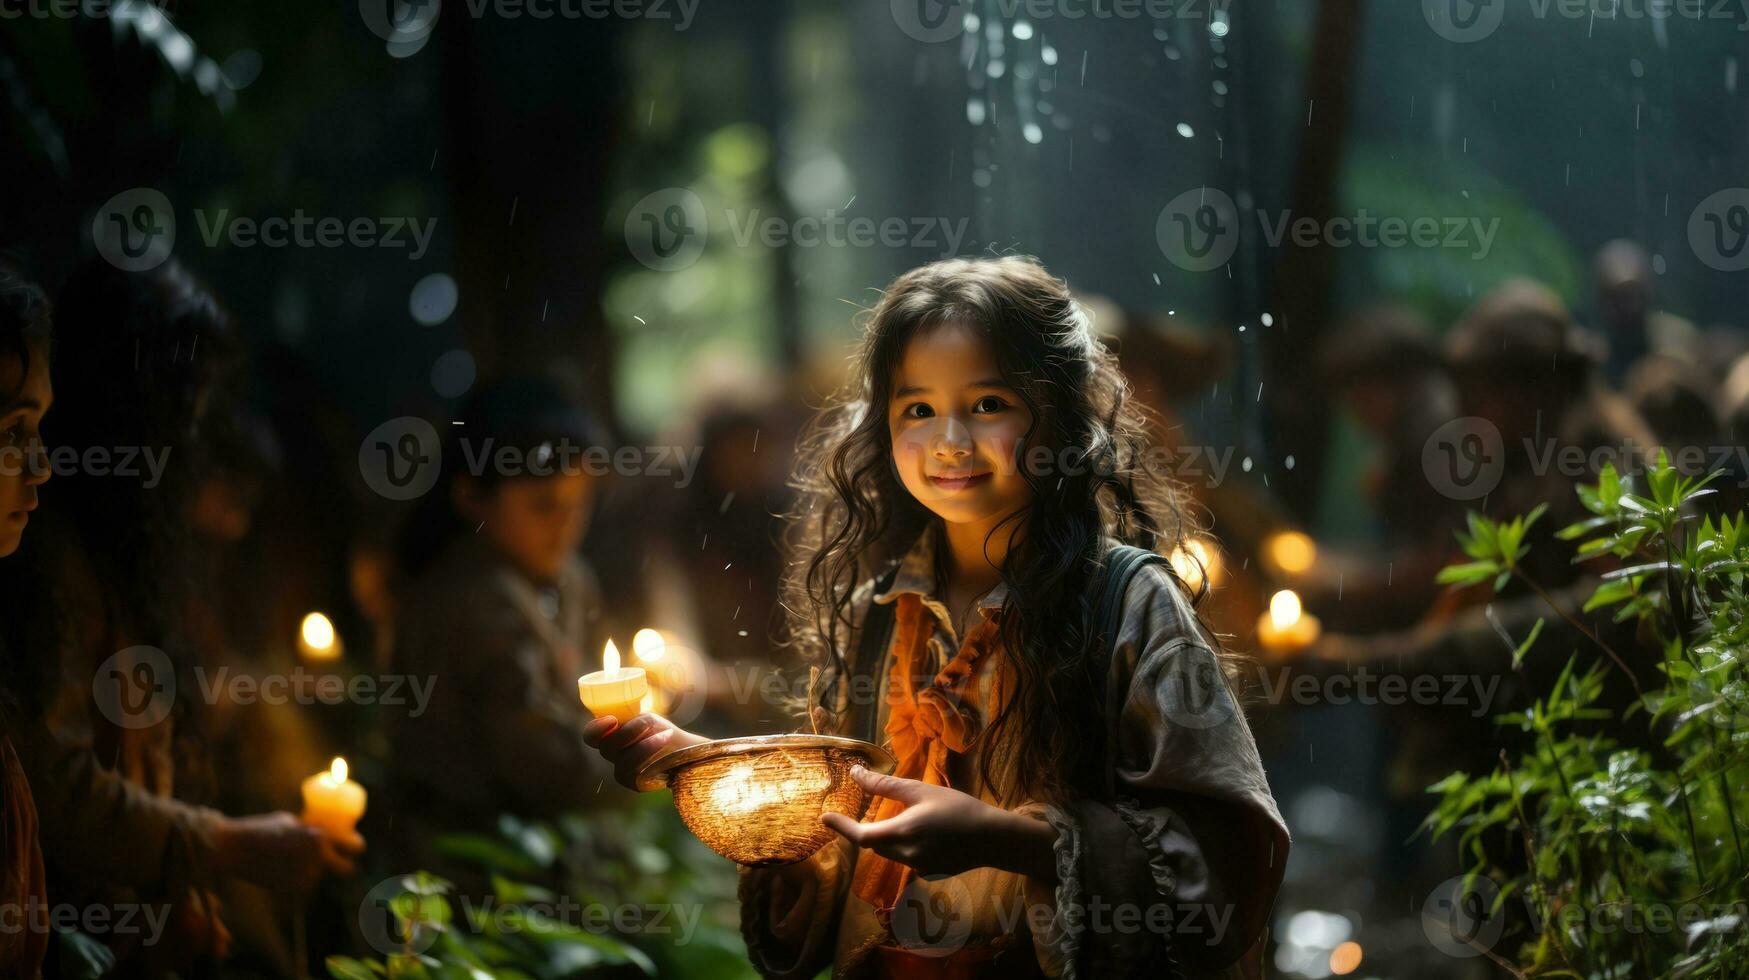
{"x": 757, "y": 800}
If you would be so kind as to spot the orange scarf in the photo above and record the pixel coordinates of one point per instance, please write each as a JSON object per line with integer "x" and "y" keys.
{"x": 924, "y": 727}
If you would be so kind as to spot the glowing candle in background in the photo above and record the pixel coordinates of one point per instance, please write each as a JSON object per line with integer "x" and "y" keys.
{"x": 1291, "y": 552}
{"x": 317, "y": 639}
{"x": 1194, "y": 561}
{"x": 614, "y": 690}
{"x": 332, "y": 802}
{"x": 1287, "y": 627}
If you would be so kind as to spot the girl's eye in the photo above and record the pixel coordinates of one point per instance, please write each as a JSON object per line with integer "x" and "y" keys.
{"x": 989, "y": 404}
{"x": 12, "y": 435}
{"x": 918, "y": 410}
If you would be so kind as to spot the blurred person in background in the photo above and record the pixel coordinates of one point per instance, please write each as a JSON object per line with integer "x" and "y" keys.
{"x": 143, "y": 357}
{"x": 1631, "y": 326}
{"x": 1733, "y": 410}
{"x": 1676, "y": 400}
{"x": 1385, "y": 367}
{"x": 498, "y": 619}
{"x": 1527, "y": 379}
{"x": 25, "y": 396}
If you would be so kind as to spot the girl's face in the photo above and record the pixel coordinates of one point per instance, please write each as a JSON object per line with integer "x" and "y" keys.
{"x": 956, "y": 427}
{"x": 535, "y": 522}
{"x": 22, "y": 466}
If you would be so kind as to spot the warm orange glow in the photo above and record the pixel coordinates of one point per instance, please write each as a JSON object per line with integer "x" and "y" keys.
{"x": 1284, "y": 609}
{"x": 1195, "y": 560}
{"x": 1345, "y": 958}
{"x": 1292, "y": 551}
{"x": 648, "y": 645}
{"x": 337, "y": 771}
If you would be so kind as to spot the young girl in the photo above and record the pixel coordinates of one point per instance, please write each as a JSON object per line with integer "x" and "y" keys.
{"x": 1052, "y": 813}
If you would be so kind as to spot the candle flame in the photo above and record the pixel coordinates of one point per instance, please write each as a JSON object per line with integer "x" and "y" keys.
{"x": 337, "y": 771}
{"x": 1284, "y": 609}
{"x": 648, "y": 645}
{"x": 317, "y": 631}
{"x": 610, "y": 658}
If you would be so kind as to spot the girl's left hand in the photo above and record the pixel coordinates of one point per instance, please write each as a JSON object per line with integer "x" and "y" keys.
{"x": 943, "y": 831}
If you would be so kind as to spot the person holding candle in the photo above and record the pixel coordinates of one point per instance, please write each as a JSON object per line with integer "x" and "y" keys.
{"x": 102, "y": 574}
{"x": 975, "y": 480}
{"x": 500, "y": 613}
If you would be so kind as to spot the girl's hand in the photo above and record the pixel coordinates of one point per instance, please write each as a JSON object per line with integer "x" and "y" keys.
{"x": 944, "y": 831}
{"x": 634, "y": 743}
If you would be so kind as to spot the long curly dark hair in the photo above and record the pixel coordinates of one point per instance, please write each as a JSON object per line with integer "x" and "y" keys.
{"x": 853, "y": 518}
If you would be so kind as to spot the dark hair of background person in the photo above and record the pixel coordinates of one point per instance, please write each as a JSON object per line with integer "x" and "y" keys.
{"x": 26, "y": 332}
{"x": 144, "y": 358}
{"x": 528, "y": 413}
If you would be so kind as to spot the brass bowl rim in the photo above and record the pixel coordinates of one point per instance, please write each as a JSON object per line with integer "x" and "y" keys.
{"x": 658, "y": 773}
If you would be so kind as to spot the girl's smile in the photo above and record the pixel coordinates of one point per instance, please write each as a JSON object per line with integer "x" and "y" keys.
{"x": 958, "y": 481}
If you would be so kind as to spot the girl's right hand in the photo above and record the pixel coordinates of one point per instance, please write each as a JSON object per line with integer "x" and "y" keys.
{"x": 631, "y": 745}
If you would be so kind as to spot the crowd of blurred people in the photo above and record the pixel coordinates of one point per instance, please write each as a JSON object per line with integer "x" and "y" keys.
{"x": 243, "y": 515}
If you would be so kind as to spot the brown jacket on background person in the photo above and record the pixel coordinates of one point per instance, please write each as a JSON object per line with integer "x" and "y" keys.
{"x": 499, "y": 658}
{"x": 23, "y": 885}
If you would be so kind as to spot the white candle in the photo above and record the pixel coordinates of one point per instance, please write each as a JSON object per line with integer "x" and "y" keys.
{"x": 332, "y": 802}
{"x": 614, "y": 690}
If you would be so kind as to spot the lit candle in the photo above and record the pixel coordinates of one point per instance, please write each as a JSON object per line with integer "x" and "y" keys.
{"x": 1286, "y": 627}
{"x": 614, "y": 690}
{"x": 333, "y": 803}
{"x": 317, "y": 639}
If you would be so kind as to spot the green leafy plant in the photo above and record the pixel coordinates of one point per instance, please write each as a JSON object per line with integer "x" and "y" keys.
{"x": 1620, "y": 836}
{"x": 557, "y": 891}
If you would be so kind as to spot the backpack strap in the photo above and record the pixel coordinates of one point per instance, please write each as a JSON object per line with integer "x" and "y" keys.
{"x": 1121, "y": 565}
{"x": 871, "y": 649}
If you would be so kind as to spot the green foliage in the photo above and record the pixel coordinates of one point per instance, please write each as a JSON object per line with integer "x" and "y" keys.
{"x": 1627, "y": 861}
{"x": 558, "y": 894}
